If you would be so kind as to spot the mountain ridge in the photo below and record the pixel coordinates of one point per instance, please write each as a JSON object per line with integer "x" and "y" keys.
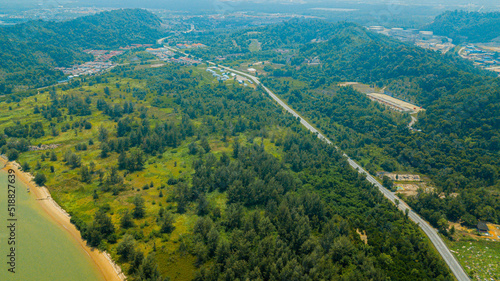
{"x": 31, "y": 50}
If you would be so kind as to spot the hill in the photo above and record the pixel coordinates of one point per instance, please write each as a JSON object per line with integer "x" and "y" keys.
{"x": 31, "y": 50}
{"x": 180, "y": 176}
{"x": 346, "y": 50}
{"x": 459, "y": 141}
{"x": 470, "y": 27}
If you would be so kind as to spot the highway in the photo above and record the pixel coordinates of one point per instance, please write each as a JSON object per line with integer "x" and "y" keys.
{"x": 431, "y": 232}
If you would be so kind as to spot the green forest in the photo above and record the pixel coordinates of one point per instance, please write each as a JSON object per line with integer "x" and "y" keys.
{"x": 459, "y": 142}
{"x": 31, "y": 50}
{"x": 246, "y": 192}
{"x": 183, "y": 177}
{"x": 467, "y": 27}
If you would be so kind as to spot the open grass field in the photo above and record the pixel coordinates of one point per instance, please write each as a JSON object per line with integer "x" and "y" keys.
{"x": 78, "y": 198}
{"x": 255, "y": 45}
{"x": 479, "y": 258}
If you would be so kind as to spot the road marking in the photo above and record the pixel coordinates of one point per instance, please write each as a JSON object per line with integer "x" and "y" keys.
{"x": 432, "y": 233}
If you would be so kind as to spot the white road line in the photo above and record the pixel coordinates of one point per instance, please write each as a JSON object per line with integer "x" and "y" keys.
{"x": 431, "y": 232}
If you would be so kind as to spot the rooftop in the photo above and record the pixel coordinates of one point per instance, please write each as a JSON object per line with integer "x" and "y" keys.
{"x": 481, "y": 226}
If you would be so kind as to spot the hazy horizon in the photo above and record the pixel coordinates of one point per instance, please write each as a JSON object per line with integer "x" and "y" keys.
{"x": 266, "y": 5}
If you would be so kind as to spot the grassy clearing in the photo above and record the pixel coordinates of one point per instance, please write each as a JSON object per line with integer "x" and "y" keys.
{"x": 255, "y": 45}
{"x": 479, "y": 258}
{"x": 77, "y": 197}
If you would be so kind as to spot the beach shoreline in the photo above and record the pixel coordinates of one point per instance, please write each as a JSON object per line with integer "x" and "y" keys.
{"x": 108, "y": 269}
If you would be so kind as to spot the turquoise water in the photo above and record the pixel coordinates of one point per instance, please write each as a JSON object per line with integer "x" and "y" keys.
{"x": 44, "y": 250}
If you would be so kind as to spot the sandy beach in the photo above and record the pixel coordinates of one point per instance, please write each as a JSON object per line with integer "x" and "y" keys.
{"x": 108, "y": 269}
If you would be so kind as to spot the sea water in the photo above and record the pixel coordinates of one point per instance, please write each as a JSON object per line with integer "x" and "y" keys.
{"x": 44, "y": 250}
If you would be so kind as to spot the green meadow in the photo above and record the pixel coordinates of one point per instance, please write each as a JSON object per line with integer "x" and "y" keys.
{"x": 479, "y": 258}
{"x": 77, "y": 197}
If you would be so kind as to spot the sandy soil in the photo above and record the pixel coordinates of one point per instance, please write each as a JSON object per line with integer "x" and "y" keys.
{"x": 494, "y": 233}
{"x": 109, "y": 270}
{"x": 348, "y": 84}
{"x": 393, "y": 100}
{"x": 403, "y": 177}
{"x": 363, "y": 236}
{"x": 409, "y": 189}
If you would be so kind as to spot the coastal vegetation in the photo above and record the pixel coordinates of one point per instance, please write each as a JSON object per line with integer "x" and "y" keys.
{"x": 181, "y": 177}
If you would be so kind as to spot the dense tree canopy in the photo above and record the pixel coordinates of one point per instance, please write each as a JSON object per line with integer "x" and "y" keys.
{"x": 458, "y": 144}
{"x": 30, "y": 50}
{"x": 464, "y": 26}
{"x": 293, "y": 209}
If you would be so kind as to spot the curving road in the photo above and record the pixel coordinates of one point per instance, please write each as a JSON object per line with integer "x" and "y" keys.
{"x": 431, "y": 232}
{"x": 412, "y": 122}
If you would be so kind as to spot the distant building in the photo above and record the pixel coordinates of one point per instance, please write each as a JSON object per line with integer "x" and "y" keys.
{"x": 376, "y": 28}
{"x": 482, "y": 227}
{"x": 183, "y": 46}
{"x": 425, "y": 32}
{"x": 198, "y": 45}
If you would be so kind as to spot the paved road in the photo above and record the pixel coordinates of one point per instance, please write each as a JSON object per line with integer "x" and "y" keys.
{"x": 160, "y": 41}
{"x": 431, "y": 232}
{"x": 412, "y": 122}
{"x": 460, "y": 53}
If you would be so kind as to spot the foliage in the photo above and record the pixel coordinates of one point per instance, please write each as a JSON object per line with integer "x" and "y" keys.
{"x": 30, "y": 50}
{"x": 265, "y": 199}
{"x": 40, "y": 179}
{"x": 458, "y": 142}
{"x": 464, "y": 26}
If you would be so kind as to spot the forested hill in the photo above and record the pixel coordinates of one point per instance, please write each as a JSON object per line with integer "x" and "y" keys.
{"x": 104, "y": 30}
{"x": 347, "y": 52}
{"x": 464, "y": 26}
{"x": 459, "y": 144}
{"x": 30, "y": 50}
{"x": 182, "y": 178}
{"x": 299, "y": 32}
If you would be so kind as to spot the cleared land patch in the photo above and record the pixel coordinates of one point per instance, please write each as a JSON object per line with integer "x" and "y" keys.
{"x": 481, "y": 259}
{"x": 255, "y": 45}
{"x": 394, "y": 102}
